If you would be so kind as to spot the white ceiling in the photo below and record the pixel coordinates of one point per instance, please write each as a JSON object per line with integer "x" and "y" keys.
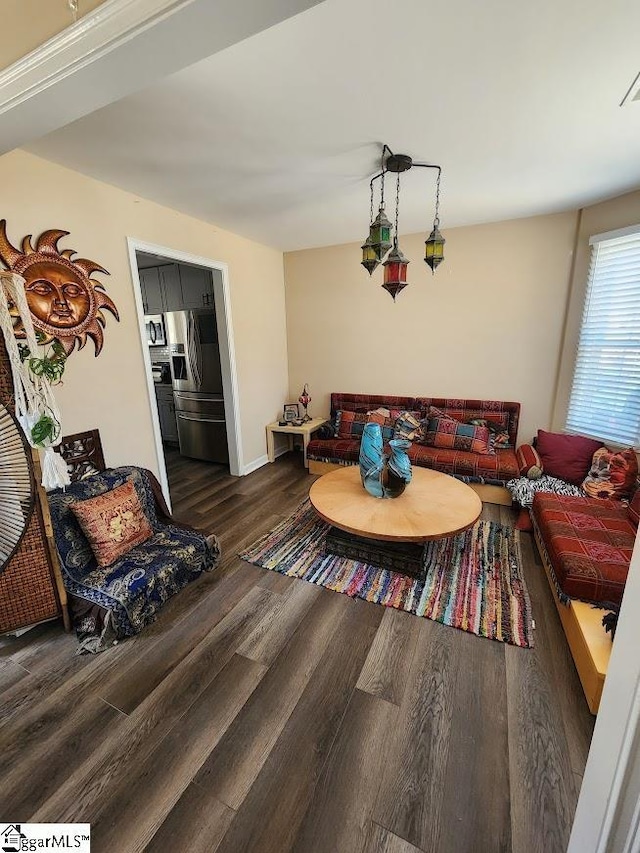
{"x": 275, "y": 138}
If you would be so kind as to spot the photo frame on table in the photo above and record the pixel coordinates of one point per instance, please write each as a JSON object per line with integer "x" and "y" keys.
{"x": 290, "y": 413}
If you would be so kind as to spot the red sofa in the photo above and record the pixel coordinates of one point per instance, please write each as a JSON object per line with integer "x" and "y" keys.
{"x": 585, "y": 545}
{"x": 487, "y": 473}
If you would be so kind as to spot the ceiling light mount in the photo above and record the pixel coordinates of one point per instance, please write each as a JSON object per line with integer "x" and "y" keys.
{"x": 379, "y": 240}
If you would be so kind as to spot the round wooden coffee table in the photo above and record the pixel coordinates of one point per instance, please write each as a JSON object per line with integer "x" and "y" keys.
{"x": 389, "y": 532}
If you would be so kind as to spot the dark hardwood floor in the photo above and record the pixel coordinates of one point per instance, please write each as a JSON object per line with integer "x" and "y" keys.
{"x": 261, "y": 713}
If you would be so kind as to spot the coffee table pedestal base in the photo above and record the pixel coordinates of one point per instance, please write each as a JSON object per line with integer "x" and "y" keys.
{"x": 403, "y": 557}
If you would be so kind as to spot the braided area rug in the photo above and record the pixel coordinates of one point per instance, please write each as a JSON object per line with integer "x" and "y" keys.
{"x": 474, "y": 580}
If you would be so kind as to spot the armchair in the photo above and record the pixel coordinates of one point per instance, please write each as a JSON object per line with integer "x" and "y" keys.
{"x": 118, "y": 600}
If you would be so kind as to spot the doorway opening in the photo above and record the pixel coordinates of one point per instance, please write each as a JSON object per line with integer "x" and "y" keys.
{"x": 187, "y": 341}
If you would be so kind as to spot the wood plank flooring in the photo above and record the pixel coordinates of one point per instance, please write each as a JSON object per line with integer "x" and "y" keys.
{"x": 264, "y": 714}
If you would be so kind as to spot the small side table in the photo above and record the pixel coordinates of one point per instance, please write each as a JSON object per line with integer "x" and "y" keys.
{"x": 305, "y": 430}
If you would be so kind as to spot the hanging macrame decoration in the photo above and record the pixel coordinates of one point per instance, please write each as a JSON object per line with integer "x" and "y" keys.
{"x": 34, "y": 371}
{"x": 65, "y": 302}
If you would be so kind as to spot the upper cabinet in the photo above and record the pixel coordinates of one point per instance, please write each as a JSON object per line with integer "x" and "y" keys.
{"x": 171, "y": 287}
{"x": 197, "y": 289}
{"x": 174, "y": 287}
{"x": 151, "y": 288}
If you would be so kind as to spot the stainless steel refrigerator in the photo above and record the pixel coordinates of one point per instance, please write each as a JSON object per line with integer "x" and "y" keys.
{"x": 196, "y": 374}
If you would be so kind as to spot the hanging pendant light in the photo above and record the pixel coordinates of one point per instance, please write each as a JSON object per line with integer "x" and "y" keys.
{"x": 380, "y": 230}
{"x": 380, "y": 234}
{"x": 434, "y": 245}
{"x": 395, "y": 272}
{"x": 395, "y": 267}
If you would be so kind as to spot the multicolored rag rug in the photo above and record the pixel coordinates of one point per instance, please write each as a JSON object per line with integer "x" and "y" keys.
{"x": 473, "y": 580}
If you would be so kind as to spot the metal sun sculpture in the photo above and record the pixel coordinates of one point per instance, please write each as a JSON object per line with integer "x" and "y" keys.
{"x": 65, "y": 302}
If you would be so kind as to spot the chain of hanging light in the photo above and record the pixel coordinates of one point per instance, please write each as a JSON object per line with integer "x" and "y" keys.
{"x": 379, "y": 241}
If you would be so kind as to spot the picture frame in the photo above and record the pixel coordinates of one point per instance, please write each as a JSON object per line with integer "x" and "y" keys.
{"x": 290, "y": 413}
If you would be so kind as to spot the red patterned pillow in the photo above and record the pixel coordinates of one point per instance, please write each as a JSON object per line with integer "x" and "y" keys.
{"x": 633, "y": 510}
{"x": 350, "y": 424}
{"x": 612, "y": 475}
{"x": 565, "y": 456}
{"x": 385, "y": 418}
{"x": 529, "y": 462}
{"x": 445, "y": 432}
{"x": 113, "y": 523}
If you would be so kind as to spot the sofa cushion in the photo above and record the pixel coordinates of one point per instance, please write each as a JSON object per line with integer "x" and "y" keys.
{"x": 566, "y": 456}
{"x": 491, "y": 468}
{"x": 113, "y": 523}
{"x": 612, "y": 474}
{"x": 447, "y": 432}
{"x": 342, "y": 451}
{"x": 589, "y": 544}
{"x": 386, "y": 419}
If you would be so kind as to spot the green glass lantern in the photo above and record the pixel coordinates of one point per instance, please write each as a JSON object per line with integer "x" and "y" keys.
{"x": 380, "y": 234}
{"x": 395, "y": 272}
{"x": 369, "y": 256}
{"x": 434, "y": 248}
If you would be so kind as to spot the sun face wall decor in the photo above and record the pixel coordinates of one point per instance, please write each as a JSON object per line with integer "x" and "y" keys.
{"x": 65, "y": 302}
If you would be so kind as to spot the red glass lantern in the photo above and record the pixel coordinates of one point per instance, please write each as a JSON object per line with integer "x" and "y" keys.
{"x": 395, "y": 272}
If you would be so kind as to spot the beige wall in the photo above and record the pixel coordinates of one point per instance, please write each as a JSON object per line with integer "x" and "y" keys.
{"x": 599, "y": 218}
{"x": 110, "y": 391}
{"x": 26, "y": 24}
{"x": 488, "y": 324}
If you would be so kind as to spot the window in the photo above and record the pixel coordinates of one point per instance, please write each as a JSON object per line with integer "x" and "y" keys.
{"x": 605, "y": 396}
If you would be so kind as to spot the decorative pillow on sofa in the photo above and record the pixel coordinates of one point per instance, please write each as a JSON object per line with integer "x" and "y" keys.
{"x": 449, "y": 433}
{"x": 350, "y": 424}
{"x": 113, "y": 523}
{"x": 612, "y": 474}
{"x": 529, "y": 462}
{"x": 498, "y": 435}
{"x": 386, "y": 419}
{"x": 409, "y": 427}
{"x": 566, "y": 456}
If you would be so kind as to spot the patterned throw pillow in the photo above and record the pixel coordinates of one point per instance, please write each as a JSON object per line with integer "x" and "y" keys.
{"x": 529, "y": 462}
{"x": 385, "y": 418}
{"x": 498, "y": 435}
{"x": 113, "y": 523}
{"x": 350, "y": 424}
{"x": 409, "y": 427}
{"x": 447, "y": 433}
{"x": 612, "y": 474}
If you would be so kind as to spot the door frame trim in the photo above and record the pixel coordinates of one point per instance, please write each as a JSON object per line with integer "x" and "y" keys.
{"x": 222, "y": 300}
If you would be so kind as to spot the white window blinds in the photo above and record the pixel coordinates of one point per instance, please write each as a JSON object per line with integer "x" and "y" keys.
{"x": 605, "y": 396}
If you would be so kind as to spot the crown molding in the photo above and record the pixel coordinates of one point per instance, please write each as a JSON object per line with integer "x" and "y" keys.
{"x": 96, "y": 34}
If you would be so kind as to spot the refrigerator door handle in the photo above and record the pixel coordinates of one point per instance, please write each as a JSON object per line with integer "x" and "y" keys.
{"x": 184, "y": 417}
{"x": 189, "y": 396}
{"x": 194, "y": 350}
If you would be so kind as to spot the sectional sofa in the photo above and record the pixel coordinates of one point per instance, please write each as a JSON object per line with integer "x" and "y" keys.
{"x": 487, "y": 473}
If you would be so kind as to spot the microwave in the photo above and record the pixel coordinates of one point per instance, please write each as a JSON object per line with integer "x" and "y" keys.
{"x": 154, "y": 326}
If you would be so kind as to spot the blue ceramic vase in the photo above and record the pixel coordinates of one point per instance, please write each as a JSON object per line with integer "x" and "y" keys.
{"x": 372, "y": 459}
{"x": 382, "y": 476}
{"x": 397, "y": 471}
